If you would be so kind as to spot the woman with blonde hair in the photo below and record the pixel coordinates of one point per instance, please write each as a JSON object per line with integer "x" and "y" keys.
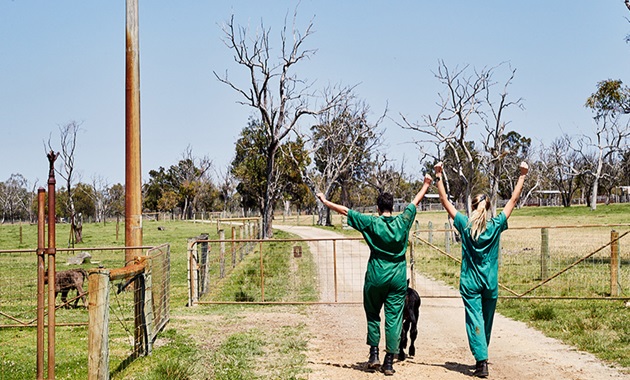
{"x": 478, "y": 284}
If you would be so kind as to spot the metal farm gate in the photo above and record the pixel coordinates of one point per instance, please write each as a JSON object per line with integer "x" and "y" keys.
{"x": 555, "y": 262}
{"x": 552, "y": 262}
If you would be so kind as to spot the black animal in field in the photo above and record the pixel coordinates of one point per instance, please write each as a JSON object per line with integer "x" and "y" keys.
{"x": 67, "y": 280}
{"x": 411, "y": 313}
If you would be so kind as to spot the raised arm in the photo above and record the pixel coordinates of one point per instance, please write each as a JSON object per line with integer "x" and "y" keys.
{"x": 427, "y": 182}
{"x": 448, "y": 206}
{"x": 509, "y": 206}
{"x": 343, "y": 210}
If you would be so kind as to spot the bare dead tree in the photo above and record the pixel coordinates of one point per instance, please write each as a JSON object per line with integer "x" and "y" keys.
{"x": 562, "y": 167}
{"x": 610, "y": 104}
{"x": 191, "y": 175}
{"x": 274, "y": 91}
{"x": 494, "y": 138}
{"x": 459, "y": 109}
{"x": 227, "y": 187}
{"x": 68, "y": 138}
{"x": 341, "y": 145}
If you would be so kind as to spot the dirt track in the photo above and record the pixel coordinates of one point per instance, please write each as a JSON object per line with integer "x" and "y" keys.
{"x": 337, "y": 348}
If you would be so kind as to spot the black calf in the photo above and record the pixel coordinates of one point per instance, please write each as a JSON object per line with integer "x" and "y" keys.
{"x": 411, "y": 313}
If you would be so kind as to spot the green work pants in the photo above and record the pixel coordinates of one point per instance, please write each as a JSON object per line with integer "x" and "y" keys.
{"x": 385, "y": 285}
{"x": 479, "y": 309}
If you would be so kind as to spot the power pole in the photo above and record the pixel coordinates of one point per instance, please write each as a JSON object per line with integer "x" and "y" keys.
{"x": 133, "y": 174}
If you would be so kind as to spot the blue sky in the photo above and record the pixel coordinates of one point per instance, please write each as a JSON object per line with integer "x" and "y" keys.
{"x": 63, "y": 61}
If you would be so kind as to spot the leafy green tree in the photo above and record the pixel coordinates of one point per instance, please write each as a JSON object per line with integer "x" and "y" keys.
{"x": 249, "y": 168}
{"x": 115, "y": 201}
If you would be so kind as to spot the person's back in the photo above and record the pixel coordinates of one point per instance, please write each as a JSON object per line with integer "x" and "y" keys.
{"x": 386, "y": 235}
{"x": 386, "y": 273}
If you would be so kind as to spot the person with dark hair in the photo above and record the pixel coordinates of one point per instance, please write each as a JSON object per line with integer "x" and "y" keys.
{"x": 386, "y": 275}
{"x": 478, "y": 283}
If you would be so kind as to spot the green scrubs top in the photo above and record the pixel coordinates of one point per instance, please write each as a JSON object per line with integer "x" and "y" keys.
{"x": 479, "y": 272}
{"x": 385, "y": 235}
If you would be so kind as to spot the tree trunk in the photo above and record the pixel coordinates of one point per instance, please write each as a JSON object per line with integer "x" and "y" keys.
{"x": 267, "y": 214}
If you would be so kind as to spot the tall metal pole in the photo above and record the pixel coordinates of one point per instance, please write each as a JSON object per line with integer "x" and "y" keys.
{"x": 52, "y": 250}
{"x": 133, "y": 175}
{"x": 41, "y": 264}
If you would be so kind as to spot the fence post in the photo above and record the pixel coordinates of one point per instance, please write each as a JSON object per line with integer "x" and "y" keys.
{"x": 193, "y": 295}
{"x": 447, "y": 238}
{"x": 614, "y": 263}
{"x": 233, "y": 247}
{"x": 203, "y": 263}
{"x": 240, "y": 234}
{"x": 412, "y": 262}
{"x": 148, "y": 307}
{"x": 544, "y": 253}
{"x": 222, "y": 254}
{"x": 98, "y": 312}
{"x": 430, "y": 233}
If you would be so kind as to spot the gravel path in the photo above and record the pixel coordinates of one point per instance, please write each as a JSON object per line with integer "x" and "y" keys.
{"x": 337, "y": 348}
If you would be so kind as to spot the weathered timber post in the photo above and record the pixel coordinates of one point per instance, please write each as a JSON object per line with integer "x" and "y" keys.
{"x": 203, "y": 266}
{"x": 447, "y": 238}
{"x": 412, "y": 262}
{"x": 241, "y": 233}
{"x": 193, "y": 295}
{"x": 222, "y": 254}
{"x": 544, "y": 253}
{"x": 233, "y": 247}
{"x": 148, "y": 308}
{"x": 98, "y": 312}
{"x": 262, "y": 274}
{"x": 614, "y": 263}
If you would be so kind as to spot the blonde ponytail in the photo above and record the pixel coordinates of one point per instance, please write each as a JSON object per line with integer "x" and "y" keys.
{"x": 478, "y": 219}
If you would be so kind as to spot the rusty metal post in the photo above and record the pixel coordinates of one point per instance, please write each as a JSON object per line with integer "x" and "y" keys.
{"x": 41, "y": 263}
{"x": 52, "y": 250}
{"x": 133, "y": 174}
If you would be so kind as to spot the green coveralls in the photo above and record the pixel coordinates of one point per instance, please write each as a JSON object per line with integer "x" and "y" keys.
{"x": 478, "y": 284}
{"x": 386, "y": 275}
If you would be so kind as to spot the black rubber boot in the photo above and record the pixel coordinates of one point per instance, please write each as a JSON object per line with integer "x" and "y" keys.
{"x": 388, "y": 364}
{"x": 481, "y": 369}
{"x": 373, "y": 362}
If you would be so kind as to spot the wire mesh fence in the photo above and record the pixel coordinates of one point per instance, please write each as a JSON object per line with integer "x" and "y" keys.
{"x": 18, "y": 283}
{"x": 279, "y": 271}
{"x": 18, "y": 308}
{"x": 547, "y": 262}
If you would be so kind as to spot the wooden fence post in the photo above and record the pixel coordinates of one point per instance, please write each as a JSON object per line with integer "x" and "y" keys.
{"x": 233, "y": 247}
{"x": 222, "y": 254}
{"x": 544, "y": 253}
{"x": 614, "y": 263}
{"x": 447, "y": 238}
{"x": 98, "y": 313}
{"x": 193, "y": 284}
{"x": 148, "y": 308}
{"x": 241, "y": 236}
